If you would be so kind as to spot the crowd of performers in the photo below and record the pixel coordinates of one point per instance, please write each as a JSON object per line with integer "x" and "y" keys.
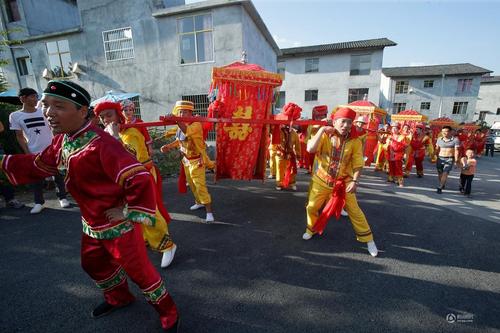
{"x": 108, "y": 169}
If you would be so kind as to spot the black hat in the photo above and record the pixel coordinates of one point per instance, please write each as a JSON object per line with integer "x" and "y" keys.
{"x": 68, "y": 90}
{"x": 27, "y": 92}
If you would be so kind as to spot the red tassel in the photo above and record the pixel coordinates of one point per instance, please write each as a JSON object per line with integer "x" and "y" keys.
{"x": 276, "y": 135}
{"x": 333, "y": 207}
{"x": 291, "y": 168}
{"x": 181, "y": 182}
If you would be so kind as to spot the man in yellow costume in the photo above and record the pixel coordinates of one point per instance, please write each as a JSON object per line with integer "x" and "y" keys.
{"x": 287, "y": 145}
{"x": 189, "y": 140}
{"x": 381, "y": 161}
{"x": 157, "y": 237}
{"x": 339, "y": 157}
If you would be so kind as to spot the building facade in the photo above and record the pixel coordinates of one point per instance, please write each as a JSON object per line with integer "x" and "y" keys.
{"x": 488, "y": 102}
{"x": 332, "y": 74}
{"x": 162, "y": 49}
{"x": 435, "y": 91}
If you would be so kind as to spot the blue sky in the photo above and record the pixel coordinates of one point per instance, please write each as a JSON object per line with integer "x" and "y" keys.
{"x": 427, "y": 32}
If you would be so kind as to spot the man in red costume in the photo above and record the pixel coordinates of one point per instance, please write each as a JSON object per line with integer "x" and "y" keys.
{"x": 339, "y": 157}
{"x": 419, "y": 143}
{"x": 102, "y": 177}
{"x": 396, "y": 145}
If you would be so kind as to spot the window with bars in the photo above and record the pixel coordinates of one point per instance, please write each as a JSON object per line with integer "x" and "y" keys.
{"x": 59, "y": 58}
{"x": 312, "y": 65}
{"x": 118, "y": 44}
{"x": 201, "y": 104}
{"x": 464, "y": 85}
{"x": 195, "y": 38}
{"x": 398, "y": 107}
{"x": 356, "y": 94}
{"x": 280, "y": 103}
{"x": 460, "y": 107}
{"x": 425, "y": 106}
{"x": 137, "y": 104}
{"x": 428, "y": 83}
{"x": 402, "y": 87}
{"x": 311, "y": 95}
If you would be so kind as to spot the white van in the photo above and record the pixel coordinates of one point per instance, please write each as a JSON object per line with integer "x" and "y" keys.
{"x": 495, "y": 129}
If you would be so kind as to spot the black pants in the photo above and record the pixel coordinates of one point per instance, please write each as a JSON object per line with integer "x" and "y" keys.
{"x": 38, "y": 189}
{"x": 466, "y": 183}
{"x": 7, "y": 192}
{"x": 489, "y": 147}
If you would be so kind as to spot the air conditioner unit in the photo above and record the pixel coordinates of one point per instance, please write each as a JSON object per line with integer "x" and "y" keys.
{"x": 76, "y": 69}
{"x": 47, "y": 74}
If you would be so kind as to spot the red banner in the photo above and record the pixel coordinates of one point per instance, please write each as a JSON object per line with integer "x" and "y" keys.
{"x": 240, "y": 146}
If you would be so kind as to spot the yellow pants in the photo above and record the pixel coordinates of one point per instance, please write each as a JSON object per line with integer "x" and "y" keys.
{"x": 281, "y": 164}
{"x": 157, "y": 237}
{"x": 320, "y": 193}
{"x": 380, "y": 161}
{"x": 195, "y": 174}
{"x": 272, "y": 162}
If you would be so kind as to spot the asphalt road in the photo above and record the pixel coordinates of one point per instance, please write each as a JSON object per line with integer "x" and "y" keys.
{"x": 250, "y": 271}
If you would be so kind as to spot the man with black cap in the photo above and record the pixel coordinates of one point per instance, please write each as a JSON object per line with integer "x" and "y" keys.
{"x": 33, "y": 135}
{"x": 103, "y": 178}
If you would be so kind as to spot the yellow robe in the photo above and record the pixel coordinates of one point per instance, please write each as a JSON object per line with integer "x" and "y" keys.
{"x": 281, "y": 158}
{"x": 320, "y": 189}
{"x": 157, "y": 237}
{"x": 195, "y": 160}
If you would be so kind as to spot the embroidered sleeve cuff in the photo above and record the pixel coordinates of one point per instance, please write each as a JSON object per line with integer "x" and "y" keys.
{"x": 141, "y": 217}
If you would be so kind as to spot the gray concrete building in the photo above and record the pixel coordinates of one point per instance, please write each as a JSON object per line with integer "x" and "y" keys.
{"x": 488, "y": 101}
{"x": 162, "y": 49}
{"x": 332, "y": 74}
{"x": 435, "y": 91}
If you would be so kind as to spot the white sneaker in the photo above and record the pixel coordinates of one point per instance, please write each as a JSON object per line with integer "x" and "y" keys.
{"x": 270, "y": 177}
{"x": 196, "y": 206}
{"x": 37, "y": 208}
{"x": 64, "y": 203}
{"x": 306, "y": 236}
{"x": 372, "y": 248}
{"x": 168, "y": 256}
{"x": 209, "y": 218}
{"x": 294, "y": 187}
{"x": 344, "y": 213}
{"x": 279, "y": 188}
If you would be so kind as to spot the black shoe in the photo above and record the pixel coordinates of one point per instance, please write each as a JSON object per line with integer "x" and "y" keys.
{"x": 419, "y": 176}
{"x": 439, "y": 190}
{"x": 105, "y": 308}
{"x": 174, "y": 328}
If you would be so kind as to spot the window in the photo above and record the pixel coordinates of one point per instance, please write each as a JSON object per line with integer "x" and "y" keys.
{"x": 137, "y": 112}
{"x": 460, "y": 107}
{"x": 361, "y": 64}
{"x": 312, "y": 65}
{"x": 12, "y": 10}
{"x": 311, "y": 95}
{"x": 281, "y": 68}
{"x": 464, "y": 85}
{"x": 357, "y": 94}
{"x": 281, "y": 100}
{"x": 22, "y": 65}
{"x": 498, "y": 112}
{"x": 59, "y": 58}
{"x": 195, "y": 38}
{"x": 482, "y": 115}
{"x": 118, "y": 44}
{"x": 402, "y": 87}
{"x": 425, "y": 106}
{"x": 201, "y": 104}
{"x": 398, "y": 107}
{"x": 428, "y": 83}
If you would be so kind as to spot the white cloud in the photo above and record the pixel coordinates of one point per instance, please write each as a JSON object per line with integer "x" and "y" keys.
{"x": 284, "y": 42}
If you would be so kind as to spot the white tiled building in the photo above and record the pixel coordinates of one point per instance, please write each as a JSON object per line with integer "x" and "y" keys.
{"x": 435, "y": 91}
{"x": 332, "y": 74}
{"x": 488, "y": 101}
